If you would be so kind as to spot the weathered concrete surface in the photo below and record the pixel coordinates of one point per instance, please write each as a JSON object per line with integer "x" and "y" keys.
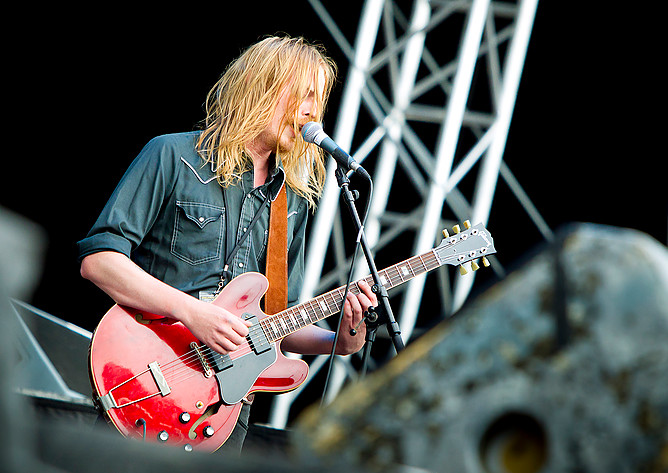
{"x": 563, "y": 366}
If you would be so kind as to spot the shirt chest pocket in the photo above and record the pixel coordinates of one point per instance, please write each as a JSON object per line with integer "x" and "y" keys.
{"x": 198, "y": 232}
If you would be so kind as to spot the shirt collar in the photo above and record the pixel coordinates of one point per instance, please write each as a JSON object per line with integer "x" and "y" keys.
{"x": 276, "y": 179}
{"x": 273, "y": 184}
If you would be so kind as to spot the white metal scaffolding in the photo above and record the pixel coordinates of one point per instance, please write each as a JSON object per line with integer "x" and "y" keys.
{"x": 412, "y": 106}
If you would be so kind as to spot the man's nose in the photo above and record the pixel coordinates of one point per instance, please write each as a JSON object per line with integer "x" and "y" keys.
{"x": 308, "y": 109}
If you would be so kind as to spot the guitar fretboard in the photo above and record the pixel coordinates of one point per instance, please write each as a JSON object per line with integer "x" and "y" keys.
{"x": 294, "y": 318}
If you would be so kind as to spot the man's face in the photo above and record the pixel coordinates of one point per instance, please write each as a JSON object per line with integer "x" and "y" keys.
{"x": 280, "y": 132}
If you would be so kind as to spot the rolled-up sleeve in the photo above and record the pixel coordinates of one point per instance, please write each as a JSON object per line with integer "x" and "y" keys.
{"x": 105, "y": 241}
{"x": 135, "y": 203}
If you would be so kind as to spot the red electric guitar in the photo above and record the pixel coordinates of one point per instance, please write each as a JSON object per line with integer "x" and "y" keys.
{"x": 152, "y": 379}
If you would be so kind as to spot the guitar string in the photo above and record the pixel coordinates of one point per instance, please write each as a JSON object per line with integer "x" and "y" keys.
{"x": 176, "y": 375}
{"x": 188, "y": 365}
{"x": 190, "y": 360}
{"x": 192, "y": 355}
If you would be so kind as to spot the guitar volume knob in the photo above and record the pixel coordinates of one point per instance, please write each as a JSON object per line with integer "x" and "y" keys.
{"x": 208, "y": 431}
{"x": 184, "y": 417}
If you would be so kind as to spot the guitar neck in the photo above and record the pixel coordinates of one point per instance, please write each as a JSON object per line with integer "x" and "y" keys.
{"x": 284, "y": 323}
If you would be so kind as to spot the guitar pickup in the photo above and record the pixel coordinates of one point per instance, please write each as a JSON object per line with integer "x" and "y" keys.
{"x": 215, "y": 362}
{"x": 256, "y": 337}
{"x": 219, "y": 362}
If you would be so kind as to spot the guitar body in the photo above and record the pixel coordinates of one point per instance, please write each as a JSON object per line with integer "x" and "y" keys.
{"x": 147, "y": 374}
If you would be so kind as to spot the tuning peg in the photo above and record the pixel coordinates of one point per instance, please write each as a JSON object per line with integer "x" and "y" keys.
{"x": 467, "y": 224}
{"x": 462, "y": 270}
{"x": 456, "y": 229}
{"x": 445, "y": 233}
{"x": 485, "y": 262}
{"x": 474, "y": 266}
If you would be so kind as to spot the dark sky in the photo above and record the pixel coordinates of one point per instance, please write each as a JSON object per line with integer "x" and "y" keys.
{"x": 92, "y": 88}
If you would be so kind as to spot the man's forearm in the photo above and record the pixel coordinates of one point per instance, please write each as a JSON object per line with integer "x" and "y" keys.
{"x": 127, "y": 284}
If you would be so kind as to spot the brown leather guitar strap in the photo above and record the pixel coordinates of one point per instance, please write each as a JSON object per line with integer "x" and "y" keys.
{"x": 276, "y": 298}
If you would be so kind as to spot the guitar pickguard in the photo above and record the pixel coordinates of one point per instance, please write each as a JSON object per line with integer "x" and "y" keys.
{"x": 236, "y": 376}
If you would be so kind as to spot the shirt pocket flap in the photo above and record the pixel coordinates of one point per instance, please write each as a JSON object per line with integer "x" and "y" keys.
{"x": 200, "y": 213}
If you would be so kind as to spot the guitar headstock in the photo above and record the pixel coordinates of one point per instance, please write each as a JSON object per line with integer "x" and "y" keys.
{"x": 473, "y": 243}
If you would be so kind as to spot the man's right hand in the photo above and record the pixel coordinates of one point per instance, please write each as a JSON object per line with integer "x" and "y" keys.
{"x": 215, "y": 327}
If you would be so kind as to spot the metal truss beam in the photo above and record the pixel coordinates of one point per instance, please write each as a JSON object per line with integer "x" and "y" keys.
{"x": 427, "y": 129}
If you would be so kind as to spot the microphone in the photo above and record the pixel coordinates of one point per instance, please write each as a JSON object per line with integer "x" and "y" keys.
{"x": 312, "y": 132}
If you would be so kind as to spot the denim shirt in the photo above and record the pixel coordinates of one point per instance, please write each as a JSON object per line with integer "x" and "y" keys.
{"x": 170, "y": 215}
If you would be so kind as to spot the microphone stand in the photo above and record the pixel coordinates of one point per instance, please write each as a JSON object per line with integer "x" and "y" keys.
{"x": 383, "y": 313}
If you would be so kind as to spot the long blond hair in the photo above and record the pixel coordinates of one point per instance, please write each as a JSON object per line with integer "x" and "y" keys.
{"x": 242, "y": 103}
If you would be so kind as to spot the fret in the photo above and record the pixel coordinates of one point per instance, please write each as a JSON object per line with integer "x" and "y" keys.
{"x": 424, "y": 267}
{"x": 330, "y": 295}
{"x": 290, "y": 323}
{"x": 269, "y": 332}
{"x": 275, "y": 328}
{"x": 305, "y": 316}
{"x": 341, "y": 290}
{"x": 402, "y": 271}
{"x": 397, "y": 279}
{"x": 323, "y": 305}
{"x": 315, "y": 310}
{"x": 337, "y": 297}
{"x": 430, "y": 259}
{"x": 390, "y": 278}
{"x": 295, "y": 320}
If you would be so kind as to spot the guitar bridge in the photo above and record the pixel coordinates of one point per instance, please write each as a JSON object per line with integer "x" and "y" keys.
{"x": 208, "y": 372}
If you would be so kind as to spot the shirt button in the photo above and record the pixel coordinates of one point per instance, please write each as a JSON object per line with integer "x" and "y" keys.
{"x": 241, "y": 265}
{"x": 201, "y": 219}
